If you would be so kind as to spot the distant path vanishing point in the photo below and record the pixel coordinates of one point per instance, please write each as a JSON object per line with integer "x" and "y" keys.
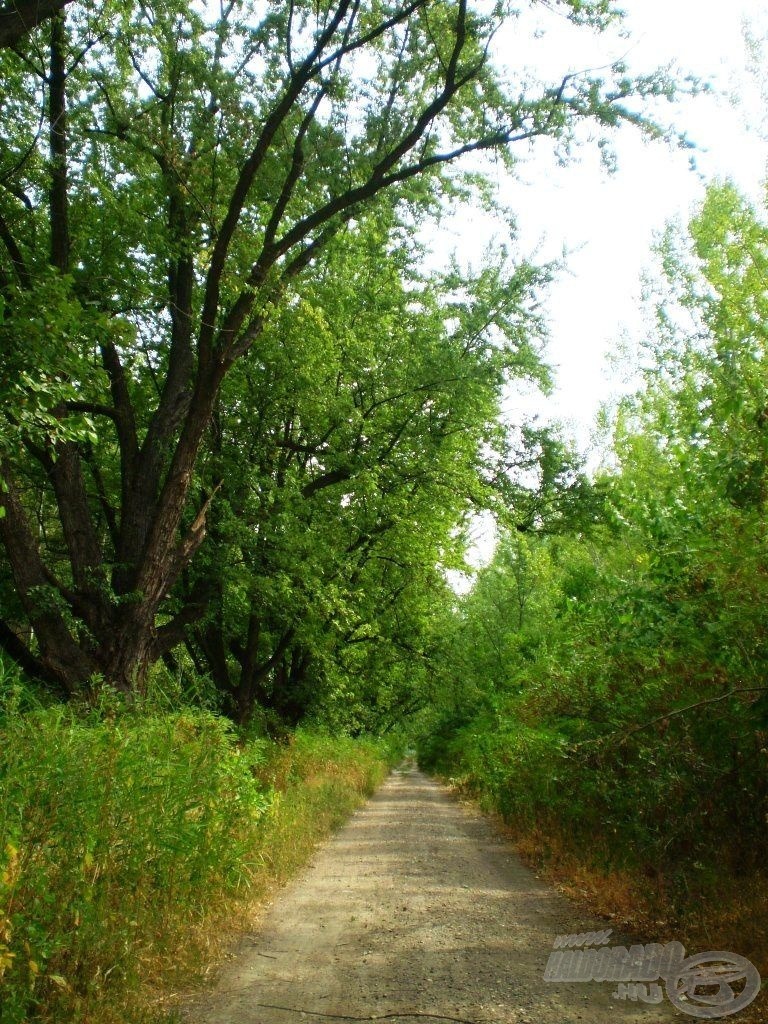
{"x": 417, "y": 908}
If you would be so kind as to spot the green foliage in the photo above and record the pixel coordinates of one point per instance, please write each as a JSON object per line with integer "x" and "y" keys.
{"x": 606, "y": 683}
{"x": 110, "y": 825}
{"x": 120, "y": 829}
{"x": 214, "y": 324}
{"x": 348, "y": 462}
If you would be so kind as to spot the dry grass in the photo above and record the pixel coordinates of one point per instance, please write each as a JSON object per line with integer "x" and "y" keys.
{"x": 134, "y": 849}
{"x": 731, "y": 915}
{"x": 317, "y": 793}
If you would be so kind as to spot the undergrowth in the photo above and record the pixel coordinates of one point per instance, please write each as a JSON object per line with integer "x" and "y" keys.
{"x": 128, "y": 835}
{"x": 648, "y": 845}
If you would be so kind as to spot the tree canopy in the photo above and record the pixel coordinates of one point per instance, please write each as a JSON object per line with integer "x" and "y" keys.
{"x": 608, "y": 678}
{"x": 212, "y": 325}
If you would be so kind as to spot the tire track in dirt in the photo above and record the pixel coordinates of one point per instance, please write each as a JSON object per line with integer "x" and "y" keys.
{"x": 416, "y": 907}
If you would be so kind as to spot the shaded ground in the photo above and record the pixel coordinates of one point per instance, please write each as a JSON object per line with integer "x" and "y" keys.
{"x": 416, "y": 907}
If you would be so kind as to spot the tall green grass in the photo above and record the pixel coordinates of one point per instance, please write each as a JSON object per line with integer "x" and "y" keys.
{"x": 122, "y": 831}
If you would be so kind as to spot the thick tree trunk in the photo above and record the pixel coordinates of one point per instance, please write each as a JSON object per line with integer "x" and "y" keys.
{"x": 123, "y": 640}
{"x": 83, "y": 622}
{"x": 60, "y": 655}
{"x": 127, "y": 658}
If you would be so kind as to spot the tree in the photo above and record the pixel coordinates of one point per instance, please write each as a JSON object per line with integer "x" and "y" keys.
{"x": 610, "y": 677}
{"x": 349, "y": 459}
{"x": 21, "y": 16}
{"x": 195, "y": 167}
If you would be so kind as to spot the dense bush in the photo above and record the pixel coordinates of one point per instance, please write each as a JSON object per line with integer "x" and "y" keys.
{"x": 605, "y": 684}
{"x": 661, "y": 808}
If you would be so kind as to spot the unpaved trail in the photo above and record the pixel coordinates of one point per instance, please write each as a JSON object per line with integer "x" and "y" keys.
{"x": 416, "y": 907}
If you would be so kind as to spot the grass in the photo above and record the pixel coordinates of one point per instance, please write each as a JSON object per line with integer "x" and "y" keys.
{"x": 134, "y": 843}
{"x": 722, "y": 913}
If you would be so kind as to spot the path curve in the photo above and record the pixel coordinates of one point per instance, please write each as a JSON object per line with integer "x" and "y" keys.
{"x": 416, "y": 907}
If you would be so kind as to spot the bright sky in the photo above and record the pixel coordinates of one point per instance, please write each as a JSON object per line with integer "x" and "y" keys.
{"x": 608, "y": 222}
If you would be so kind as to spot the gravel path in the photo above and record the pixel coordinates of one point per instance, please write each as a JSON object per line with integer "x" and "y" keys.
{"x": 416, "y": 908}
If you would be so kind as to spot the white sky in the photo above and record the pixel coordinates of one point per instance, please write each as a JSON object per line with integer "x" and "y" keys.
{"x": 608, "y": 222}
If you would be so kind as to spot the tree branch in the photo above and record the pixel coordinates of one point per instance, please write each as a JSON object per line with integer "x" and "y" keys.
{"x": 57, "y": 118}
{"x": 247, "y": 174}
{"x": 18, "y": 261}
{"x": 671, "y": 714}
{"x": 334, "y": 476}
{"x": 61, "y": 656}
{"x": 193, "y": 539}
{"x": 93, "y": 409}
{"x": 20, "y": 17}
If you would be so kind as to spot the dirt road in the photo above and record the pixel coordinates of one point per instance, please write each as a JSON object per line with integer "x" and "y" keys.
{"x": 415, "y": 908}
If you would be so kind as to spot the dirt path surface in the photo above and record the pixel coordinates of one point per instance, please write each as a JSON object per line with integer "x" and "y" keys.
{"x": 416, "y": 907}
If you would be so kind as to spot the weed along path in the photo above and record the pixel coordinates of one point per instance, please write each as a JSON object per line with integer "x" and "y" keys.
{"x": 417, "y": 908}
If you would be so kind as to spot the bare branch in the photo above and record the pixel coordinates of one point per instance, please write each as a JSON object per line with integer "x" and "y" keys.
{"x": 18, "y": 261}
{"x": 194, "y": 538}
{"x": 625, "y": 734}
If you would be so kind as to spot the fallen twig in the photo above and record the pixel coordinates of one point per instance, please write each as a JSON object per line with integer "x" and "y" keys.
{"x": 380, "y": 1016}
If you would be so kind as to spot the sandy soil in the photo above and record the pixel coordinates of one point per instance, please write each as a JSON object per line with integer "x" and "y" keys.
{"x": 416, "y": 908}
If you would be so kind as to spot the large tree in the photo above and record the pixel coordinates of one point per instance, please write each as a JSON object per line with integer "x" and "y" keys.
{"x": 167, "y": 175}
{"x": 365, "y": 438}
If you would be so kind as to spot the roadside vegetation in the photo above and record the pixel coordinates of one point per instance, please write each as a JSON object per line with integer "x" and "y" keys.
{"x": 605, "y": 685}
{"x": 134, "y": 841}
